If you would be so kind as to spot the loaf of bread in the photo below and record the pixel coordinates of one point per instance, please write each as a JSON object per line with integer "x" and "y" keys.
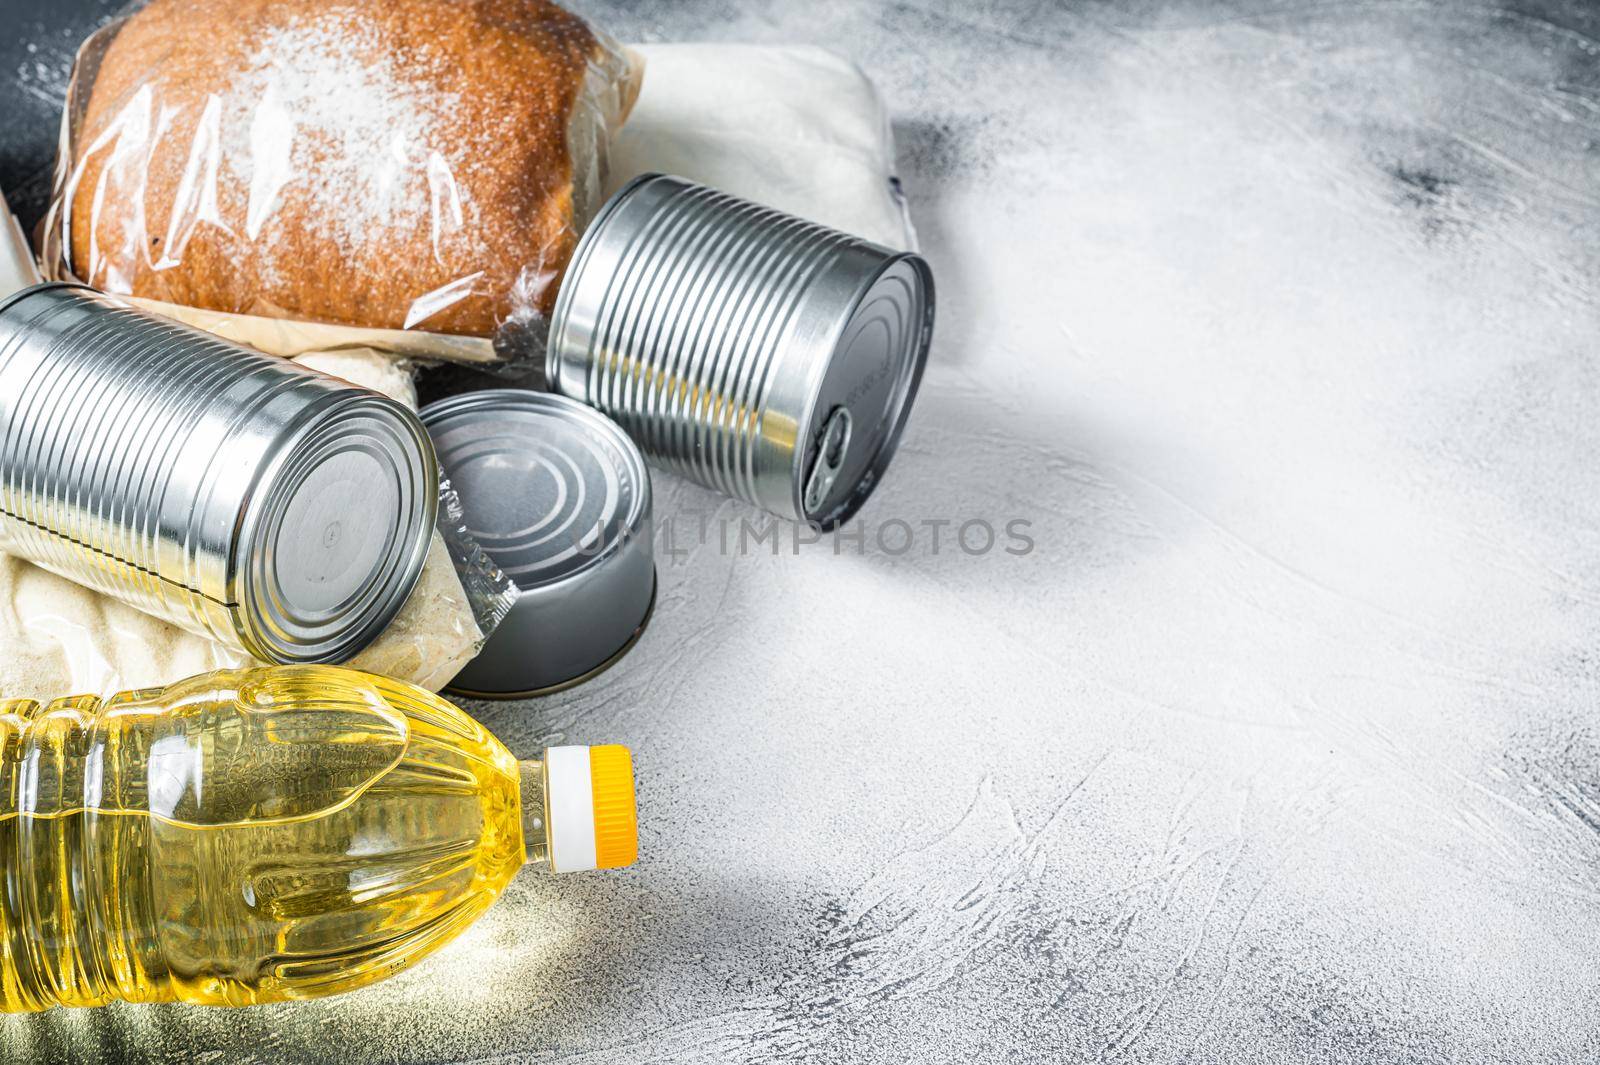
{"x": 390, "y": 164}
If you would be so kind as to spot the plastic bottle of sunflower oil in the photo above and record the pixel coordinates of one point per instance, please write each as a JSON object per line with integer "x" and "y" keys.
{"x": 279, "y": 833}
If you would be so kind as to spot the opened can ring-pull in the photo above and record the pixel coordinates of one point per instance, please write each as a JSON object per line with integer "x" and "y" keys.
{"x": 834, "y": 445}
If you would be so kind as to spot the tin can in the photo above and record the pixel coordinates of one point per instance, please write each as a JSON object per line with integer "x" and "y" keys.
{"x": 559, "y": 498}
{"x": 768, "y": 357}
{"x": 240, "y": 496}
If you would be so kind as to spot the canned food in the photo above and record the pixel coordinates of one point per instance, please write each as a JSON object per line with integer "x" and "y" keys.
{"x": 770, "y": 358}
{"x": 559, "y": 499}
{"x": 238, "y": 495}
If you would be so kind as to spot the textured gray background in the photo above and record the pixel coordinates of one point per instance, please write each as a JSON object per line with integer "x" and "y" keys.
{"x": 1279, "y": 320}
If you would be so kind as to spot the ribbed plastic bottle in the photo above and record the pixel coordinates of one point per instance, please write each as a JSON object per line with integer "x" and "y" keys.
{"x": 260, "y": 835}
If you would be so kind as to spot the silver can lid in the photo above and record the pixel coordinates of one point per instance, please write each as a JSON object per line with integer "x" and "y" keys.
{"x": 332, "y": 541}
{"x": 559, "y": 497}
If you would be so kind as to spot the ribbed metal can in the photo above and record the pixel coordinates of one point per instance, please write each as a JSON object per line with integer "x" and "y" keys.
{"x": 237, "y": 495}
{"x": 756, "y": 353}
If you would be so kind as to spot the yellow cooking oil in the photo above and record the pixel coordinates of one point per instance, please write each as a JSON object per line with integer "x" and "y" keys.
{"x": 279, "y": 833}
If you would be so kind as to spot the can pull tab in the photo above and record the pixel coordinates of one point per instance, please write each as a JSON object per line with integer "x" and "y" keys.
{"x": 834, "y": 446}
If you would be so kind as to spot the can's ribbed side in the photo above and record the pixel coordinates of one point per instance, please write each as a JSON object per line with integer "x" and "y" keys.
{"x": 101, "y": 409}
{"x": 718, "y": 333}
{"x": 690, "y": 330}
{"x": 133, "y": 452}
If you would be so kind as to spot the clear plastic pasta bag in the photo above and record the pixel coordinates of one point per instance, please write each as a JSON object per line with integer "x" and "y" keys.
{"x": 307, "y": 175}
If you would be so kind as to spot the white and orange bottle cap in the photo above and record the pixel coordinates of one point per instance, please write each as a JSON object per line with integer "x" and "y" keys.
{"x": 590, "y": 806}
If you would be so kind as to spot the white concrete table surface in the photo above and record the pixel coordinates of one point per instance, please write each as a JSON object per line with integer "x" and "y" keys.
{"x": 1278, "y": 322}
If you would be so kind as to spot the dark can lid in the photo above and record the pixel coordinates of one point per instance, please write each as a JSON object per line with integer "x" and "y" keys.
{"x": 558, "y": 496}
{"x": 860, "y": 406}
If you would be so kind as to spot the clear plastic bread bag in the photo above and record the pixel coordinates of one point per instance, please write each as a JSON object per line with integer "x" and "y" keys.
{"x": 458, "y": 603}
{"x": 307, "y": 175}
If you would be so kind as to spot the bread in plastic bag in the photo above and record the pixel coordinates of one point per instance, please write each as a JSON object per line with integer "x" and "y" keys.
{"x": 420, "y": 167}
